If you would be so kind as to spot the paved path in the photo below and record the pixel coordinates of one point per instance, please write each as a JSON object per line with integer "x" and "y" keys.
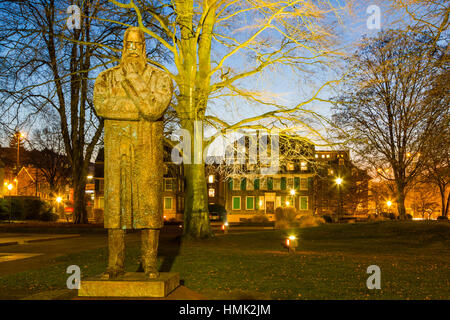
{"x": 41, "y": 252}
{"x": 7, "y": 239}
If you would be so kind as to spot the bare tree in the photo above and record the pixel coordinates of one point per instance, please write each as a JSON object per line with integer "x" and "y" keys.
{"x": 48, "y": 156}
{"x": 384, "y": 105}
{"x": 204, "y": 38}
{"x": 48, "y": 66}
{"x": 437, "y": 154}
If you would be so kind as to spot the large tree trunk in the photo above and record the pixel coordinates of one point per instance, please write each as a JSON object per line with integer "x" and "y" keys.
{"x": 445, "y": 214}
{"x": 79, "y": 193}
{"x": 196, "y": 214}
{"x": 401, "y": 203}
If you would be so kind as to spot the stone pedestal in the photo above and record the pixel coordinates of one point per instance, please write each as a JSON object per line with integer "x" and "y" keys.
{"x": 132, "y": 285}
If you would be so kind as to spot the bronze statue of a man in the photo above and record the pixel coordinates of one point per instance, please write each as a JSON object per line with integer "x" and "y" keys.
{"x": 132, "y": 98}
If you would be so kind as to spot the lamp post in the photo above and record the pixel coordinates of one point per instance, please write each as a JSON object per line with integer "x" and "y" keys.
{"x": 389, "y": 204}
{"x": 339, "y": 182}
{"x": 10, "y": 186}
{"x": 19, "y": 136}
{"x": 292, "y": 193}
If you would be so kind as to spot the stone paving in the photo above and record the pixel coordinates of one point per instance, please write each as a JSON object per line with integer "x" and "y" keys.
{"x": 14, "y": 238}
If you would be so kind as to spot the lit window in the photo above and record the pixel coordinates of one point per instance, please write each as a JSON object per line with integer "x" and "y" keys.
{"x": 263, "y": 184}
{"x": 168, "y": 184}
{"x": 290, "y": 183}
{"x": 211, "y": 179}
{"x": 317, "y": 155}
{"x": 330, "y": 172}
{"x": 328, "y": 155}
{"x": 236, "y": 184}
{"x": 290, "y": 167}
{"x": 211, "y": 192}
{"x": 303, "y": 184}
{"x": 276, "y": 184}
{"x": 261, "y": 202}
{"x": 167, "y": 203}
{"x": 303, "y": 166}
{"x": 323, "y": 156}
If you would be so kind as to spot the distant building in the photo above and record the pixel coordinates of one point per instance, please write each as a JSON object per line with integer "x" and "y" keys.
{"x": 305, "y": 180}
{"x": 27, "y": 179}
{"x": 351, "y": 195}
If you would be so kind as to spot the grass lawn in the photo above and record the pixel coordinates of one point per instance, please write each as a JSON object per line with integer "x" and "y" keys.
{"x": 330, "y": 263}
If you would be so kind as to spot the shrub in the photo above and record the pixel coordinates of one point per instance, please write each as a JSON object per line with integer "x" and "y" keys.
{"x": 48, "y": 216}
{"x": 4, "y": 209}
{"x": 260, "y": 218}
{"x": 442, "y": 218}
{"x": 285, "y": 218}
{"x": 409, "y": 217}
{"x": 311, "y": 221}
{"x": 327, "y": 219}
{"x": 25, "y": 208}
{"x": 375, "y": 217}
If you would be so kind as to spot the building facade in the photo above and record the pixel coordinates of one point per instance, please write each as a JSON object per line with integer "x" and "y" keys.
{"x": 305, "y": 182}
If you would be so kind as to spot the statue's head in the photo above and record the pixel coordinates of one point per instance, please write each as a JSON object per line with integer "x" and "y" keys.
{"x": 134, "y": 47}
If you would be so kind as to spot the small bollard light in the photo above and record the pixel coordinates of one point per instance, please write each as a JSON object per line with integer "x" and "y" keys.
{"x": 291, "y": 243}
{"x": 225, "y": 227}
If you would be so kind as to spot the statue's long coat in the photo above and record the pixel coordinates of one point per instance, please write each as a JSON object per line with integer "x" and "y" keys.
{"x": 133, "y": 147}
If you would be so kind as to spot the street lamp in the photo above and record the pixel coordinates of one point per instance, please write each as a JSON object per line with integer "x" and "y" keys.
{"x": 339, "y": 181}
{"x": 389, "y": 204}
{"x": 19, "y": 136}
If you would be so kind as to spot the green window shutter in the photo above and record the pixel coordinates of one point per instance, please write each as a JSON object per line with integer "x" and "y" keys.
{"x": 250, "y": 203}
{"x": 236, "y": 203}
{"x": 269, "y": 183}
{"x": 256, "y": 184}
{"x": 257, "y": 203}
{"x": 304, "y": 203}
{"x": 283, "y": 201}
{"x": 283, "y": 183}
{"x": 310, "y": 183}
{"x": 243, "y": 184}
{"x": 230, "y": 184}
{"x": 296, "y": 183}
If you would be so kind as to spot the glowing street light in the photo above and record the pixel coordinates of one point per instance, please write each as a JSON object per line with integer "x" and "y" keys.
{"x": 389, "y": 203}
{"x": 291, "y": 243}
{"x": 59, "y": 199}
{"x": 10, "y": 186}
{"x": 225, "y": 227}
{"x": 292, "y": 192}
{"x": 339, "y": 181}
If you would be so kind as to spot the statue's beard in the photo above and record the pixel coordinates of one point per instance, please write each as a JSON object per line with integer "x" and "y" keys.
{"x": 137, "y": 64}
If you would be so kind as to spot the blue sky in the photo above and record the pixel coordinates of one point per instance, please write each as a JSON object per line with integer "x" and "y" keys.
{"x": 291, "y": 88}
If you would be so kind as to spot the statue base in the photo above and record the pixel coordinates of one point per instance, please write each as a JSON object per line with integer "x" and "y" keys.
{"x": 131, "y": 284}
